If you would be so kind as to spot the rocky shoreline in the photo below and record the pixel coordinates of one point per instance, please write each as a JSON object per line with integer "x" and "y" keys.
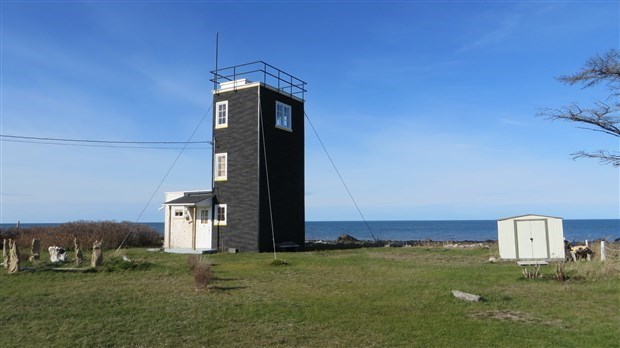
{"x": 346, "y": 241}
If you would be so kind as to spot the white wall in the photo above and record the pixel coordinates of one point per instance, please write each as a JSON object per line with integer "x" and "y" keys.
{"x": 183, "y": 236}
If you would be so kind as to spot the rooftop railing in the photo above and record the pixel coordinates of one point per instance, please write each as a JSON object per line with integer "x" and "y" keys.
{"x": 260, "y": 71}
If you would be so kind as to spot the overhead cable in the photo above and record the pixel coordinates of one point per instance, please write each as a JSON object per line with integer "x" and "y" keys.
{"x": 102, "y": 141}
{"x": 102, "y": 146}
{"x": 340, "y": 176}
{"x": 161, "y": 182}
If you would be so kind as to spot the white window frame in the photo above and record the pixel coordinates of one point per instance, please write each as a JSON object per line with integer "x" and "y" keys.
{"x": 204, "y": 215}
{"x": 180, "y": 211}
{"x": 284, "y": 116}
{"x": 217, "y": 173}
{"x": 218, "y": 208}
{"x": 224, "y": 112}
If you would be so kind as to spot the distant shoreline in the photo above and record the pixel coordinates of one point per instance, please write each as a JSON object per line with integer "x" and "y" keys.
{"x": 416, "y": 231}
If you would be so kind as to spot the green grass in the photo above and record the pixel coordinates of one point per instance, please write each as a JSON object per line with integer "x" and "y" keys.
{"x": 377, "y": 297}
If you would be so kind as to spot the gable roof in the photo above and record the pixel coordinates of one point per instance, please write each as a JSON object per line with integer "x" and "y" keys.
{"x": 190, "y": 198}
{"x": 536, "y": 215}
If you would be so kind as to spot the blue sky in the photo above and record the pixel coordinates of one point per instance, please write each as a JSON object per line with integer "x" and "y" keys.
{"x": 428, "y": 108}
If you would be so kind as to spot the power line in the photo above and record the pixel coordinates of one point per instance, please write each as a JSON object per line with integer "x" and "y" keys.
{"x": 340, "y": 176}
{"x": 161, "y": 182}
{"x": 103, "y": 146}
{"x": 103, "y": 141}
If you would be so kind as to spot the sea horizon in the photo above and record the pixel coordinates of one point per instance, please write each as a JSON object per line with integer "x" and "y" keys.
{"x": 405, "y": 230}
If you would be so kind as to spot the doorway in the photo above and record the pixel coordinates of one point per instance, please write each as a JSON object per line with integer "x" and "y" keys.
{"x": 203, "y": 229}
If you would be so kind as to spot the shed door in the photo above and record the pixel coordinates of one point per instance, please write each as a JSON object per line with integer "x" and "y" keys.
{"x": 203, "y": 229}
{"x": 532, "y": 239}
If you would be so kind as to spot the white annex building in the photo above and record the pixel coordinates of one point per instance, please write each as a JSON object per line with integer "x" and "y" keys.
{"x": 188, "y": 224}
{"x": 530, "y": 237}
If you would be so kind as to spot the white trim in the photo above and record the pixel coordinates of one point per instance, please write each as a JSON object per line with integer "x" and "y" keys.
{"x": 218, "y": 156}
{"x": 287, "y": 116}
{"x": 217, "y": 213}
{"x": 255, "y": 84}
{"x": 217, "y": 114}
{"x": 238, "y": 87}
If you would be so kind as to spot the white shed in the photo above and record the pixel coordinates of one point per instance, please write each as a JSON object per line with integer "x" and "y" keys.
{"x": 530, "y": 237}
{"x": 188, "y": 222}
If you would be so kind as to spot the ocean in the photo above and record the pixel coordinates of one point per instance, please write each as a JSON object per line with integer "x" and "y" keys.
{"x": 446, "y": 230}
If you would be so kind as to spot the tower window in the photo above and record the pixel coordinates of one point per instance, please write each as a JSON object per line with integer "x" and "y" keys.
{"x": 220, "y": 214}
{"x": 221, "y": 114}
{"x": 283, "y": 116}
{"x": 221, "y": 166}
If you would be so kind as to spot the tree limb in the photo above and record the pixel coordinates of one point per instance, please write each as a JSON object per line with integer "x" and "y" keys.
{"x": 602, "y": 117}
{"x": 604, "y": 157}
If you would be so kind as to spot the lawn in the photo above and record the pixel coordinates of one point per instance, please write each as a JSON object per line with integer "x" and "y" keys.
{"x": 368, "y": 297}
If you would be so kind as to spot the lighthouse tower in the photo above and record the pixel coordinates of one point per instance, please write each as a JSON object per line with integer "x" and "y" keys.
{"x": 258, "y": 159}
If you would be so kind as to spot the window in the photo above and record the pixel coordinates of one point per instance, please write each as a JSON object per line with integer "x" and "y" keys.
{"x": 221, "y": 166}
{"x": 221, "y": 114}
{"x": 220, "y": 214}
{"x": 178, "y": 212}
{"x": 283, "y": 116}
{"x": 204, "y": 216}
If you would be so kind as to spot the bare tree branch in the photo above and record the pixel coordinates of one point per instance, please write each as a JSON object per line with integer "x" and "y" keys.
{"x": 604, "y": 157}
{"x": 597, "y": 70}
{"x": 601, "y": 117}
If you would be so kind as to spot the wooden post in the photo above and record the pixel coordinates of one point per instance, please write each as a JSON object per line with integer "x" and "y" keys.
{"x": 602, "y": 250}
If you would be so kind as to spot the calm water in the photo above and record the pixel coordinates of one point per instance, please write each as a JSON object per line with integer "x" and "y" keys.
{"x": 478, "y": 230}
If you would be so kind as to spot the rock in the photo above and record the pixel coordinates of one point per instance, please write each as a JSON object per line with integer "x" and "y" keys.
{"x": 35, "y": 250}
{"x": 466, "y": 297}
{"x": 57, "y": 254}
{"x": 5, "y": 253}
{"x": 345, "y": 238}
{"x": 13, "y": 257}
{"x": 79, "y": 257}
{"x": 97, "y": 258}
{"x": 492, "y": 259}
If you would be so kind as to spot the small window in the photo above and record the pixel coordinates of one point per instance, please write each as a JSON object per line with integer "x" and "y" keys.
{"x": 178, "y": 213}
{"x": 283, "y": 116}
{"x": 204, "y": 216}
{"x": 221, "y": 114}
{"x": 221, "y": 166}
{"x": 220, "y": 214}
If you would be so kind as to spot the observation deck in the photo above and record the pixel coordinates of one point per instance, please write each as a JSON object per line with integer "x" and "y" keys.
{"x": 259, "y": 71}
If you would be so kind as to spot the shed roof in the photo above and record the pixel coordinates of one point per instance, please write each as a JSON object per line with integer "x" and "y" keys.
{"x": 520, "y": 216}
{"x": 190, "y": 198}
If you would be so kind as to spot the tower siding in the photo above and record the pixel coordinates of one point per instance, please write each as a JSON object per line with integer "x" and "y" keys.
{"x": 240, "y": 191}
{"x": 285, "y": 159}
{"x": 245, "y": 191}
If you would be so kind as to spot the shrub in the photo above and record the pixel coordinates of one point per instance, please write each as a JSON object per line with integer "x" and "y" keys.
{"x": 203, "y": 275}
{"x": 111, "y": 232}
{"x": 119, "y": 264}
{"x": 536, "y": 274}
{"x": 278, "y": 262}
{"x": 192, "y": 261}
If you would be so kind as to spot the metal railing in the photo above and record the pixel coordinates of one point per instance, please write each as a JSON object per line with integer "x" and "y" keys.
{"x": 260, "y": 71}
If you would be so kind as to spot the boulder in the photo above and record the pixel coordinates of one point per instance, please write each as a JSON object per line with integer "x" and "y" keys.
{"x": 97, "y": 258}
{"x": 345, "y": 238}
{"x": 57, "y": 254}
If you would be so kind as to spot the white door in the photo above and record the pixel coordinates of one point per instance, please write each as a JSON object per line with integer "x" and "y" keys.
{"x": 532, "y": 239}
{"x": 203, "y": 229}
